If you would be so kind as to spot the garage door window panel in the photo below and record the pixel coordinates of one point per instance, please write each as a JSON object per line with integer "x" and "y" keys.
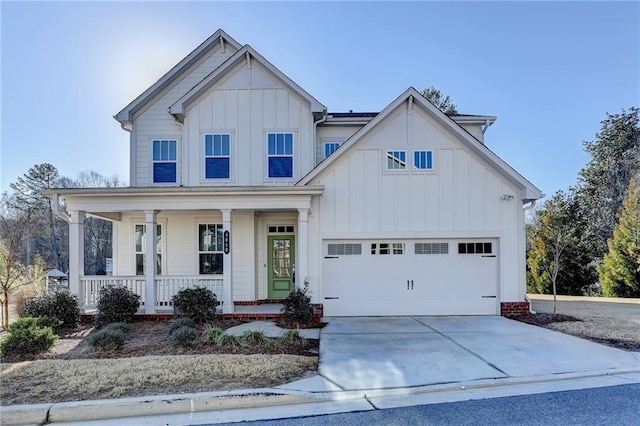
{"x": 431, "y": 248}
{"x": 475, "y": 248}
{"x": 344, "y": 249}
{"x": 387, "y": 248}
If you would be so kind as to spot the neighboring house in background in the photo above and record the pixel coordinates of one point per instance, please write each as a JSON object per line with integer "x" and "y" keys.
{"x": 241, "y": 181}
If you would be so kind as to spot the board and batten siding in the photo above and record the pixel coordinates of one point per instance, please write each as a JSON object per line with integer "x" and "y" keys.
{"x": 249, "y": 103}
{"x": 332, "y": 134}
{"x": 155, "y": 122}
{"x": 460, "y": 198}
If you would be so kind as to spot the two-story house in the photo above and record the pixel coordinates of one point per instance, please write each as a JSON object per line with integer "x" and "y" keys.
{"x": 243, "y": 182}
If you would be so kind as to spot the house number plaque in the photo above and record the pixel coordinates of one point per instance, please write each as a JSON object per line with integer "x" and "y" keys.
{"x": 226, "y": 242}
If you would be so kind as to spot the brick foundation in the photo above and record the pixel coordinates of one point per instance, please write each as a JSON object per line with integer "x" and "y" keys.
{"x": 511, "y": 309}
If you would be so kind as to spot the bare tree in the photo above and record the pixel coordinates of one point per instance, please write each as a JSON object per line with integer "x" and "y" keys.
{"x": 14, "y": 228}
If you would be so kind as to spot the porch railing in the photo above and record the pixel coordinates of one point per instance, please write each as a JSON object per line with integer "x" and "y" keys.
{"x": 166, "y": 287}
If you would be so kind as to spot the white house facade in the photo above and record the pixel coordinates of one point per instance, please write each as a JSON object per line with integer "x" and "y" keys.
{"x": 253, "y": 187}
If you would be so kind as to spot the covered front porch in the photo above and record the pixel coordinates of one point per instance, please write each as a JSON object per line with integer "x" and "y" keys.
{"x": 160, "y": 265}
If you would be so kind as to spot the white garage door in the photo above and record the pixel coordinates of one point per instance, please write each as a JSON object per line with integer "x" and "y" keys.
{"x": 410, "y": 277}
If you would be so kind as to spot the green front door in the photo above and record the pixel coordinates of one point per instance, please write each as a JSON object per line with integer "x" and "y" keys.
{"x": 282, "y": 254}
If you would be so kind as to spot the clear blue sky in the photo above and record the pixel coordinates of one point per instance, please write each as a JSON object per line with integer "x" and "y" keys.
{"x": 550, "y": 71}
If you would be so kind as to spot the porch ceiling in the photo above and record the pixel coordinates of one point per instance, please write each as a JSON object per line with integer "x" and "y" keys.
{"x": 104, "y": 201}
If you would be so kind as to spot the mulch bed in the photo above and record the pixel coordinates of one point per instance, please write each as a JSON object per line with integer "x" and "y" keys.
{"x": 545, "y": 320}
{"x": 151, "y": 338}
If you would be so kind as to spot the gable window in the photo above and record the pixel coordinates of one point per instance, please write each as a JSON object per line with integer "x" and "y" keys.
{"x": 280, "y": 155}
{"x": 217, "y": 156}
{"x": 210, "y": 246}
{"x": 330, "y": 147}
{"x": 165, "y": 161}
{"x": 423, "y": 160}
{"x": 140, "y": 244}
{"x": 387, "y": 248}
{"x": 396, "y": 160}
{"x": 475, "y": 248}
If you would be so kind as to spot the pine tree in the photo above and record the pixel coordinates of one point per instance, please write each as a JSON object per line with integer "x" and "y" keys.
{"x": 620, "y": 270}
{"x": 440, "y": 101}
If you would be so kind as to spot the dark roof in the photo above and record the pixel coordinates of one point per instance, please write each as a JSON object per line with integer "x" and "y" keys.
{"x": 353, "y": 114}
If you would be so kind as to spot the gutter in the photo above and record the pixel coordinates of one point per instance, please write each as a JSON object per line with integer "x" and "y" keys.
{"x": 315, "y": 129}
{"x": 56, "y": 209}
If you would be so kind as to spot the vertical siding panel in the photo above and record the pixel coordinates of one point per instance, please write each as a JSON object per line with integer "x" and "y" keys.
{"x": 446, "y": 189}
{"x": 305, "y": 143}
{"x": 231, "y": 109}
{"x": 461, "y": 190}
{"x": 255, "y": 141}
{"x": 387, "y": 203}
{"x": 269, "y": 108}
{"x": 492, "y": 202}
{"x": 372, "y": 190}
{"x": 356, "y": 189}
{"x": 218, "y": 109}
{"x": 295, "y": 110}
{"x": 194, "y": 148}
{"x": 242, "y": 143}
{"x": 402, "y": 203}
{"x": 341, "y": 189}
{"x": 205, "y": 114}
{"x": 282, "y": 109}
{"x": 416, "y": 204}
{"x": 431, "y": 203}
{"x": 476, "y": 195}
{"x": 328, "y": 205}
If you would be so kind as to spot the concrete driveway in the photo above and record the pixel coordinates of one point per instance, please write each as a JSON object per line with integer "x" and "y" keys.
{"x": 360, "y": 353}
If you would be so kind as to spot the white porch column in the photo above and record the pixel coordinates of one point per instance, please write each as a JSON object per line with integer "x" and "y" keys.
{"x": 76, "y": 253}
{"x": 302, "y": 247}
{"x": 227, "y": 265}
{"x": 150, "y": 219}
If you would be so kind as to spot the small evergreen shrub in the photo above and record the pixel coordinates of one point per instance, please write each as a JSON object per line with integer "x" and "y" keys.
{"x": 27, "y": 338}
{"x": 40, "y": 322}
{"x": 121, "y": 326}
{"x": 116, "y": 304}
{"x": 179, "y": 323}
{"x": 186, "y": 337}
{"x": 211, "y": 334}
{"x": 228, "y": 340}
{"x": 61, "y": 305}
{"x": 292, "y": 337}
{"x": 254, "y": 337}
{"x": 108, "y": 339}
{"x": 197, "y": 303}
{"x": 297, "y": 307}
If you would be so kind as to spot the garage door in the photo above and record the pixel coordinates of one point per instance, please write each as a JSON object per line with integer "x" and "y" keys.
{"x": 410, "y": 277}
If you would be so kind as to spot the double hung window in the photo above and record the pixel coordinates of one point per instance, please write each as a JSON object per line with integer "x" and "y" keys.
{"x": 210, "y": 248}
{"x": 165, "y": 156}
{"x": 280, "y": 155}
{"x": 217, "y": 156}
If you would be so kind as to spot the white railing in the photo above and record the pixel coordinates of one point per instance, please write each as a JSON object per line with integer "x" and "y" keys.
{"x": 166, "y": 287}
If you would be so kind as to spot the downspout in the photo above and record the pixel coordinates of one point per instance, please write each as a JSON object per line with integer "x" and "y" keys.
{"x": 531, "y": 205}
{"x": 315, "y": 125}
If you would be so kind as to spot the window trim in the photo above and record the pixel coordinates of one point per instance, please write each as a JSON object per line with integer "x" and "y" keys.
{"x": 205, "y": 156}
{"x": 269, "y": 156}
{"x": 152, "y": 142}
{"x": 326, "y": 144}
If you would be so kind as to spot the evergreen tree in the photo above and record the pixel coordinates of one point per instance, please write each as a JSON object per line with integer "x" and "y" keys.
{"x": 440, "y": 101}
{"x": 620, "y": 270}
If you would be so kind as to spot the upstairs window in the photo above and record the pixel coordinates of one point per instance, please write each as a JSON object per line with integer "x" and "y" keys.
{"x": 165, "y": 161}
{"x": 280, "y": 155}
{"x": 330, "y": 147}
{"x": 217, "y": 156}
{"x": 396, "y": 160}
{"x": 423, "y": 160}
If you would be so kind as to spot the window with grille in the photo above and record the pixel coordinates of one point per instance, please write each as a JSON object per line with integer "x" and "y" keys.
{"x": 210, "y": 248}
{"x": 431, "y": 248}
{"x": 140, "y": 248}
{"x": 475, "y": 248}
{"x": 347, "y": 249}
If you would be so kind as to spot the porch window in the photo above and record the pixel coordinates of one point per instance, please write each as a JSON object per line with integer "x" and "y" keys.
{"x": 329, "y": 147}
{"x": 217, "y": 156}
{"x": 141, "y": 248}
{"x": 210, "y": 248}
{"x": 423, "y": 160}
{"x": 165, "y": 161}
{"x": 280, "y": 155}
{"x": 396, "y": 160}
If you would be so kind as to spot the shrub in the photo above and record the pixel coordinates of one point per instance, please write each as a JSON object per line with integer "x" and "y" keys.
{"x": 179, "y": 323}
{"x": 254, "y": 337}
{"x": 121, "y": 326}
{"x": 62, "y": 305}
{"x": 116, "y": 304}
{"x": 186, "y": 337}
{"x": 211, "y": 334}
{"x": 39, "y": 322}
{"x": 297, "y": 307}
{"x": 228, "y": 340}
{"x": 292, "y": 337}
{"x": 27, "y": 337}
{"x": 108, "y": 339}
{"x": 197, "y": 303}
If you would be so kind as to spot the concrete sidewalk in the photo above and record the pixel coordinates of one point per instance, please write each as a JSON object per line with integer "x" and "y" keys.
{"x": 381, "y": 362}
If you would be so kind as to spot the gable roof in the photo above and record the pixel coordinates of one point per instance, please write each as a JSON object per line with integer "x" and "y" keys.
{"x": 529, "y": 191}
{"x": 126, "y": 115}
{"x": 245, "y": 53}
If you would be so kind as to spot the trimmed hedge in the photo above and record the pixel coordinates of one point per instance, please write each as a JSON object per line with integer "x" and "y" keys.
{"x": 116, "y": 304}
{"x": 197, "y": 303}
{"x": 62, "y": 305}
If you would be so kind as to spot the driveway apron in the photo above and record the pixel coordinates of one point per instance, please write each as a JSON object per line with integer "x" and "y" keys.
{"x": 360, "y": 353}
